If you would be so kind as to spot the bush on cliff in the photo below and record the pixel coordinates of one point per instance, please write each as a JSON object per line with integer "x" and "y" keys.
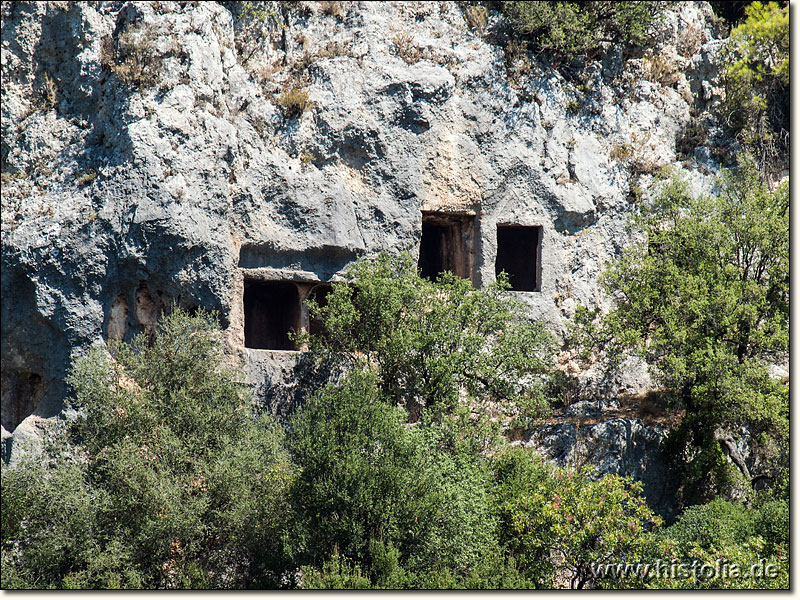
{"x": 569, "y": 28}
{"x": 435, "y": 342}
{"x": 165, "y": 477}
{"x": 705, "y": 301}
{"x": 756, "y": 79}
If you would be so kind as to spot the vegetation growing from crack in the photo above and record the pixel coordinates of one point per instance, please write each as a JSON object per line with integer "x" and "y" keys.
{"x": 756, "y": 79}
{"x": 569, "y": 28}
{"x": 133, "y": 56}
{"x": 705, "y": 301}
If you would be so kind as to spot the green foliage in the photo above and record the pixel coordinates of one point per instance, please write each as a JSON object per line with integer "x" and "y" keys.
{"x": 745, "y": 540}
{"x": 252, "y": 24}
{"x": 337, "y": 573}
{"x": 165, "y": 478}
{"x": 569, "y": 28}
{"x": 718, "y": 522}
{"x": 49, "y": 525}
{"x": 391, "y": 498}
{"x": 705, "y": 301}
{"x": 721, "y": 523}
{"x": 558, "y": 522}
{"x": 432, "y": 341}
{"x": 574, "y": 107}
{"x": 424, "y": 505}
{"x": 756, "y": 79}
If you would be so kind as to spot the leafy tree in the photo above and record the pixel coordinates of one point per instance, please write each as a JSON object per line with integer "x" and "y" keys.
{"x": 560, "y": 522}
{"x": 392, "y": 499}
{"x": 705, "y": 301}
{"x": 756, "y": 79}
{"x": 434, "y": 341}
{"x": 49, "y": 530}
{"x": 164, "y": 478}
{"x": 410, "y": 506}
{"x": 568, "y": 28}
{"x": 722, "y": 533}
{"x": 434, "y": 504}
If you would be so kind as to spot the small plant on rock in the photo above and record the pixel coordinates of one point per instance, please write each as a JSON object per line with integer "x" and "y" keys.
{"x": 86, "y": 178}
{"x": 294, "y": 101}
{"x": 49, "y": 93}
{"x": 660, "y": 70}
{"x": 477, "y": 17}
{"x": 406, "y": 48}
{"x": 333, "y": 9}
{"x": 574, "y": 107}
{"x": 134, "y": 58}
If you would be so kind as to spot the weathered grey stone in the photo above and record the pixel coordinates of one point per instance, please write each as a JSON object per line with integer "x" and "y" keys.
{"x": 119, "y": 195}
{"x": 621, "y": 446}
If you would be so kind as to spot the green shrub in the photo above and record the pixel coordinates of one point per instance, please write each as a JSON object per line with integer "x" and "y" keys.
{"x": 729, "y": 534}
{"x": 336, "y": 573}
{"x": 432, "y": 341}
{"x": 569, "y": 28}
{"x": 406, "y": 511}
{"x": 721, "y": 523}
{"x": 714, "y": 524}
{"x": 558, "y": 523}
{"x": 164, "y": 478}
{"x": 756, "y": 80}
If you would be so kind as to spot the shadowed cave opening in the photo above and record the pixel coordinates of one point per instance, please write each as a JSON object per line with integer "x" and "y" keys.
{"x": 519, "y": 253}
{"x": 271, "y": 312}
{"x": 446, "y": 245}
{"x": 22, "y": 392}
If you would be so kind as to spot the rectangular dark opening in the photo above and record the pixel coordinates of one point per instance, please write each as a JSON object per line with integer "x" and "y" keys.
{"x": 519, "y": 253}
{"x": 446, "y": 245}
{"x": 319, "y": 293}
{"x": 271, "y": 312}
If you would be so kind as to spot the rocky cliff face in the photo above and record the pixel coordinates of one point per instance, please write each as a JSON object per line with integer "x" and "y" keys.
{"x": 162, "y": 152}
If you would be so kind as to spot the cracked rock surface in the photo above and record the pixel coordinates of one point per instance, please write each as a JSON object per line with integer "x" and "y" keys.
{"x": 123, "y": 197}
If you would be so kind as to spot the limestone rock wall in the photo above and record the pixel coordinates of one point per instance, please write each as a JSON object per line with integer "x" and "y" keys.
{"x": 121, "y": 199}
